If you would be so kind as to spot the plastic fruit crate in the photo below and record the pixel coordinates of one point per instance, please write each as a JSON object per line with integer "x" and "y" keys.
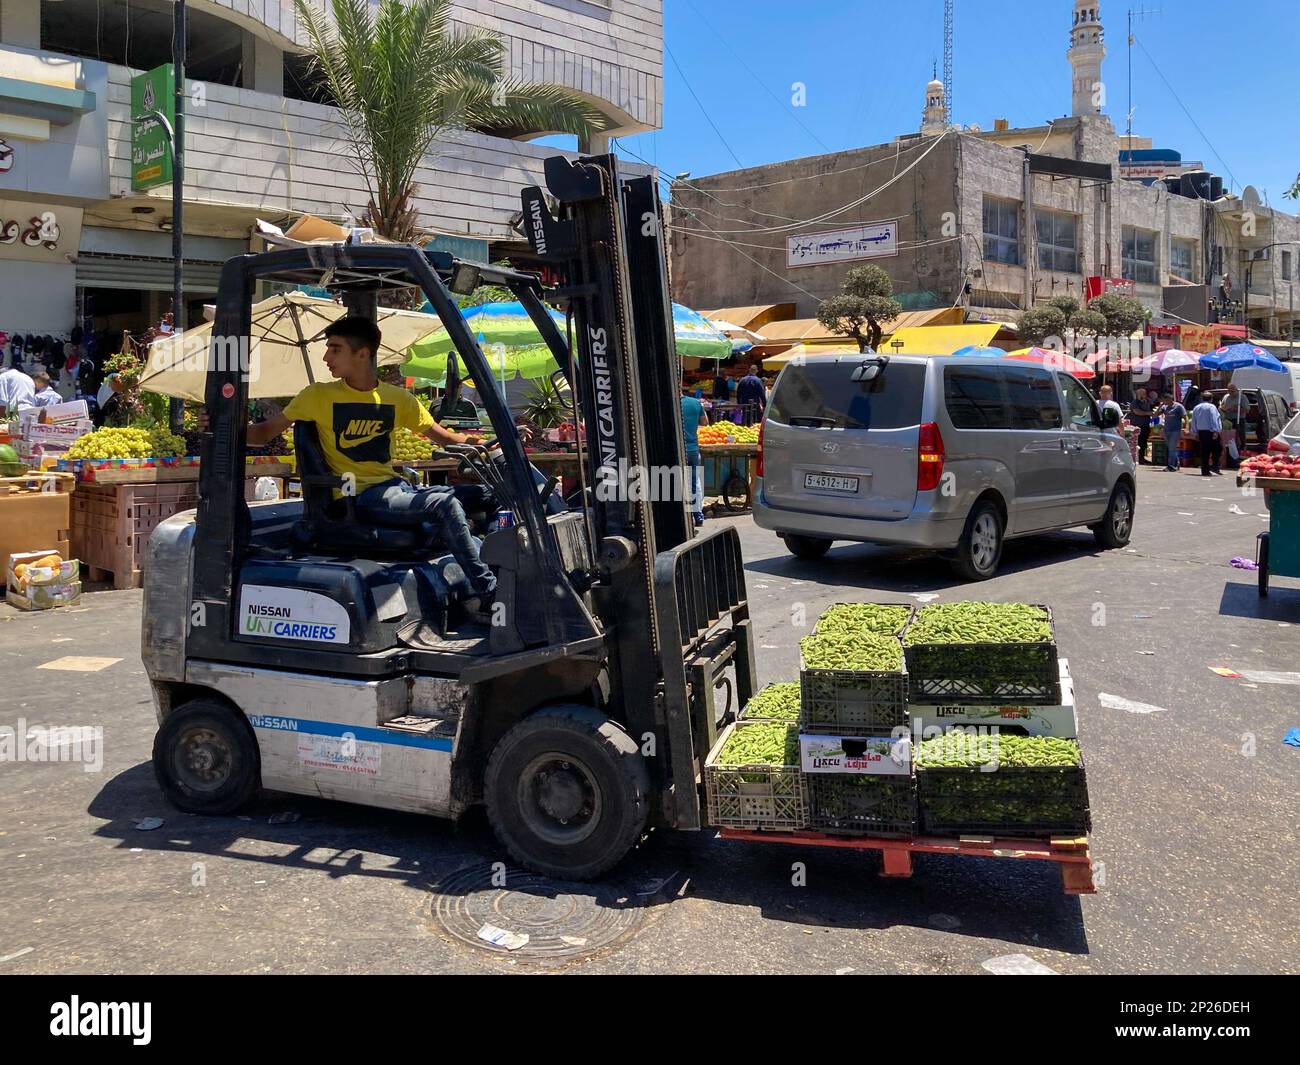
{"x": 1035, "y": 801}
{"x": 755, "y": 797}
{"x": 1025, "y": 673}
{"x": 845, "y": 702}
{"x": 858, "y": 805}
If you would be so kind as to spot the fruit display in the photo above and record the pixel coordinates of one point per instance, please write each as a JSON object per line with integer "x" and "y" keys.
{"x": 957, "y": 623}
{"x": 856, "y": 650}
{"x": 407, "y": 447}
{"x": 726, "y": 432}
{"x": 885, "y": 620}
{"x": 127, "y": 443}
{"x": 1272, "y": 465}
{"x": 762, "y": 743}
{"x": 776, "y": 702}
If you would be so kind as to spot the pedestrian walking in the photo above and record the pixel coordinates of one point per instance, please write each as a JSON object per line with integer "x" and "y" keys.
{"x": 1139, "y": 413}
{"x": 1208, "y": 426}
{"x": 1236, "y": 408}
{"x": 751, "y": 394}
{"x": 1172, "y": 416}
{"x": 693, "y": 416}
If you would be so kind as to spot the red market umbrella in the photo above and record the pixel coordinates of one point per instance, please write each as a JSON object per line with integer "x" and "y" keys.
{"x": 1055, "y": 360}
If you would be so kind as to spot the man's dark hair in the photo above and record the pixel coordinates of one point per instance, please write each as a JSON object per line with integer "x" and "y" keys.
{"x": 357, "y": 331}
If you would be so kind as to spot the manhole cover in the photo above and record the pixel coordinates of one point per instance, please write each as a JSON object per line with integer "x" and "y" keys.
{"x": 562, "y": 920}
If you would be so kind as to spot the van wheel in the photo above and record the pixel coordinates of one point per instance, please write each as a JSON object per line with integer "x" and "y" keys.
{"x": 1116, "y": 528}
{"x": 807, "y": 547}
{"x": 567, "y": 792}
{"x": 205, "y": 759}
{"x": 980, "y": 549}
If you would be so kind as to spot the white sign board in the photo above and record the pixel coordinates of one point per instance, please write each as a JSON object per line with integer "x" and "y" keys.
{"x": 291, "y": 614}
{"x": 872, "y": 241}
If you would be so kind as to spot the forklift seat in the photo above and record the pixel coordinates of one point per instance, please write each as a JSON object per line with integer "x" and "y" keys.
{"x": 333, "y": 525}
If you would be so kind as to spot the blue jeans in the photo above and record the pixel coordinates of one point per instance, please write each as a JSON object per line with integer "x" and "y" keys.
{"x": 439, "y": 506}
{"x": 697, "y": 484}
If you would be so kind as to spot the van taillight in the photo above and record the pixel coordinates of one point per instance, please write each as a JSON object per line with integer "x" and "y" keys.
{"x": 1279, "y": 445}
{"x": 929, "y": 467}
{"x": 758, "y": 455}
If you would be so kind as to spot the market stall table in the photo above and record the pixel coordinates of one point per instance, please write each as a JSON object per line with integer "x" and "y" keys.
{"x": 115, "y": 509}
{"x": 726, "y": 477}
{"x": 1278, "y": 551}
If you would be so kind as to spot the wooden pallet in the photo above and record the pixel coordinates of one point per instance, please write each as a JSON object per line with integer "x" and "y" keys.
{"x": 1070, "y": 855}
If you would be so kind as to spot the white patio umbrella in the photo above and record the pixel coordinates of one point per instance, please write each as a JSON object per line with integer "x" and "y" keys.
{"x": 286, "y": 351}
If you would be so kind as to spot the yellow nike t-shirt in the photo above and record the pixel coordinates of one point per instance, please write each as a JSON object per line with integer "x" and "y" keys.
{"x": 356, "y": 428}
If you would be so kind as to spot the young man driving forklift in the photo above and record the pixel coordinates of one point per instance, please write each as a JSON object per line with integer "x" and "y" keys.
{"x": 355, "y": 417}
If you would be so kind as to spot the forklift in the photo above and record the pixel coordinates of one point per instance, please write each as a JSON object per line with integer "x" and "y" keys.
{"x": 293, "y": 647}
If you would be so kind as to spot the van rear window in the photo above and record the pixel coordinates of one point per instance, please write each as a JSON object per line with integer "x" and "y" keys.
{"x": 822, "y": 395}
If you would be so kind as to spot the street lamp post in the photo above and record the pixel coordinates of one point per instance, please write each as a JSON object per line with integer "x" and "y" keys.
{"x": 176, "y": 409}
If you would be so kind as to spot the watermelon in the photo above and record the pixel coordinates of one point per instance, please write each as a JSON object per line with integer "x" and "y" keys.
{"x": 7, "y": 454}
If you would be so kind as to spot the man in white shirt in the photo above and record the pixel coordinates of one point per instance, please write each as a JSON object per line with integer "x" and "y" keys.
{"x": 17, "y": 391}
{"x": 1106, "y": 397}
{"x": 1207, "y": 425}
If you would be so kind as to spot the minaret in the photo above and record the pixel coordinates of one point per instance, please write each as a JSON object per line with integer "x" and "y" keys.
{"x": 934, "y": 118}
{"x": 1087, "y": 50}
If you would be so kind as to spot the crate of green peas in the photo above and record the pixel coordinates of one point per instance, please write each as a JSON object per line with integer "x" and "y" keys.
{"x": 852, "y": 674}
{"x": 752, "y": 778}
{"x": 976, "y": 783}
{"x": 977, "y": 653}
{"x": 776, "y": 702}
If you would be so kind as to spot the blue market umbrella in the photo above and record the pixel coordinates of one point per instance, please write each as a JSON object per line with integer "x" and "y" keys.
{"x": 697, "y": 337}
{"x": 984, "y": 353}
{"x": 1240, "y": 356}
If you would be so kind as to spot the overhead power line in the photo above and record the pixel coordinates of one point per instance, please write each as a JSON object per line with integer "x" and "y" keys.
{"x": 701, "y": 106}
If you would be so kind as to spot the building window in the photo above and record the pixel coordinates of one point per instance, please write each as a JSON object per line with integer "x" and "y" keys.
{"x": 1182, "y": 259}
{"x": 1058, "y": 241}
{"x": 1139, "y": 256}
{"x": 1286, "y": 266}
{"x": 1001, "y": 231}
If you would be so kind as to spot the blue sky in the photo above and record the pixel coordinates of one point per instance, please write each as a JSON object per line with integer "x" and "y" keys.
{"x": 865, "y": 64}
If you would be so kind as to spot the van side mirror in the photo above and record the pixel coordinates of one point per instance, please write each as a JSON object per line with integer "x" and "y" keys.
{"x": 1110, "y": 418}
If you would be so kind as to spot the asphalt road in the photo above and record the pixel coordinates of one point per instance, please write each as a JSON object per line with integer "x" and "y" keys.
{"x": 1194, "y": 806}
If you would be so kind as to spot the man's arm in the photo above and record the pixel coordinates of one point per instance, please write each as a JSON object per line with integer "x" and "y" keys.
{"x": 260, "y": 433}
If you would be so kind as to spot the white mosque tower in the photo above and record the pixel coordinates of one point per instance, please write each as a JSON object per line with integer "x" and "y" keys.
{"x": 1087, "y": 50}
{"x": 934, "y": 118}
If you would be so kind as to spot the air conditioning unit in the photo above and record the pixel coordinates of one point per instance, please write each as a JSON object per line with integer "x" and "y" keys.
{"x": 1257, "y": 255}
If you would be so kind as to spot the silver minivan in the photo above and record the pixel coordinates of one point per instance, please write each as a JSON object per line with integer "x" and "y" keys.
{"x": 954, "y": 454}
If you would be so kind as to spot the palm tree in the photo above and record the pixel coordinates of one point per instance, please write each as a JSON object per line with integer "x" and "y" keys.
{"x": 401, "y": 78}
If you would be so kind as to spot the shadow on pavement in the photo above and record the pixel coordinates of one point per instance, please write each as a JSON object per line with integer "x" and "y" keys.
{"x": 1244, "y": 601}
{"x": 906, "y": 569}
{"x": 1007, "y": 900}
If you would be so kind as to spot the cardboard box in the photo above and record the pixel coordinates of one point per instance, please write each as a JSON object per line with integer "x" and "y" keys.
{"x": 57, "y": 435}
{"x": 1060, "y": 721}
{"x": 56, "y": 412}
{"x": 870, "y": 755}
{"x": 31, "y": 520}
{"x": 45, "y": 597}
{"x": 66, "y": 573}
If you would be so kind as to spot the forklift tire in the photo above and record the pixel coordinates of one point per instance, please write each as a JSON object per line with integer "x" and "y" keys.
{"x": 206, "y": 759}
{"x": 567, "y": 792}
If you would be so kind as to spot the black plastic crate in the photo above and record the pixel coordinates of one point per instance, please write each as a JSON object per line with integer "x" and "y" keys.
{"x": 1038, "y": 801}
{"x": 754, "y": 797}
{"x": 973, "y": 673}
{"x": 852, "y": 804}
{"x": 844, "y": 702}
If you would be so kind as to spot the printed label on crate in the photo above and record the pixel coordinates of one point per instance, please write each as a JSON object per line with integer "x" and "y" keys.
{"x": 291, "y": 614}
{"x": 1059, "y": 721}
{"x": 60, "y": 433}
{"x": 883, "y": 755}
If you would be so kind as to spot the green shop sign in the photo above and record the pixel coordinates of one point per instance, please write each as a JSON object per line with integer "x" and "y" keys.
{"x": 151, "y": 154}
